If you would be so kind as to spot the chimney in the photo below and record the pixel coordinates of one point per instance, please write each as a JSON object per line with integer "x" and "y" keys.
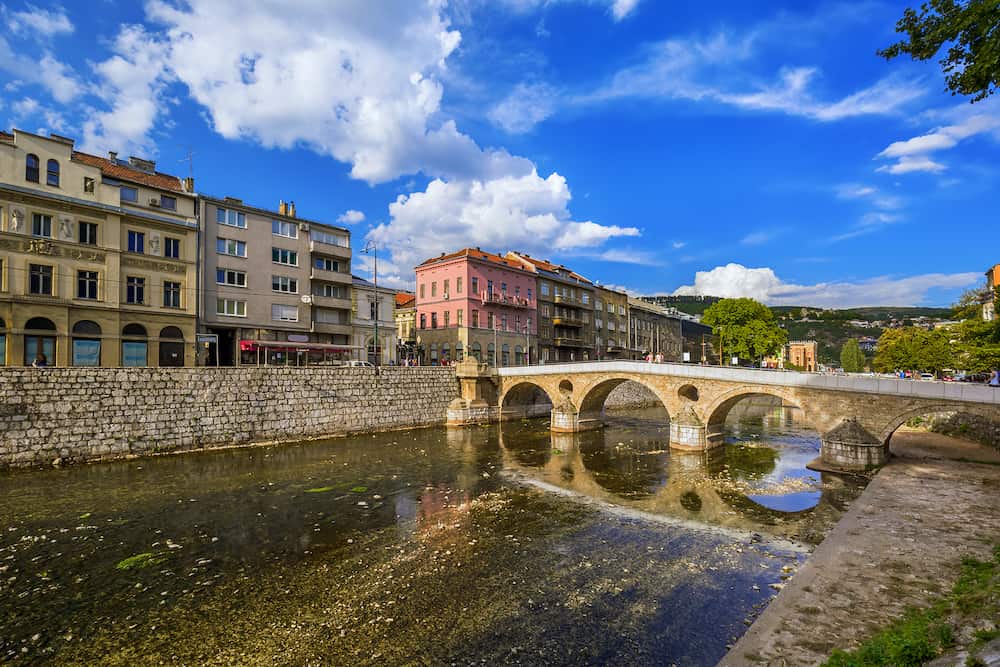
{"x": 112, "y": 156}
{"x": 291, "y": 209}
{"x": 282, "y": 207}
{"x": 189, "y": 184}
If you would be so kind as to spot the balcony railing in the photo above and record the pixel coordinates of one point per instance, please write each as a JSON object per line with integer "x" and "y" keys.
{"x": 569, "y": 342}
{"x": 563, "y": 298}
{"x": 564, "y": 321}
{"x": 502, "y": 299}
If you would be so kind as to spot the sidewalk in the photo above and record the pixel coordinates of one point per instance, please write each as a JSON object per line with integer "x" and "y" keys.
{"x": 898, "y": 546}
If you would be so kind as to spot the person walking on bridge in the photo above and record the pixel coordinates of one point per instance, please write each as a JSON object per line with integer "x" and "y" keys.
{"x": 995, "y": 378}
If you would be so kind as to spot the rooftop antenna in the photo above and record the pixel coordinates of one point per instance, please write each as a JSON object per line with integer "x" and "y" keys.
{"x": 189, "y": 158}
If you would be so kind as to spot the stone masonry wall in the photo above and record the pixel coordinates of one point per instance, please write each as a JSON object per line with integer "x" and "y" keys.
{"x": 969, "y": 426}
{"x": 631, "y": 395}
{"x": 81, "y": 414}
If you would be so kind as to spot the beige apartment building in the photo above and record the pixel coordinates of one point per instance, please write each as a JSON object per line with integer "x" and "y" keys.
{"x": 611, "y": 324}
{"x": 98, "y": 258}
{"x": 276, "y": 288}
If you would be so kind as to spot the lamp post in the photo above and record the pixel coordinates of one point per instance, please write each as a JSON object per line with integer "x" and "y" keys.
{"x": 527, "y": 342}
{"x": 373, "y": 249}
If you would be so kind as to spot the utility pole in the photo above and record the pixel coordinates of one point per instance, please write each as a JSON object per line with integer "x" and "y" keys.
{"x": 370, "y": 246}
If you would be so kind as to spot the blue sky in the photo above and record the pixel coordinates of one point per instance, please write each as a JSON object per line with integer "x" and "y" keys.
{"x": 653, "y": 146}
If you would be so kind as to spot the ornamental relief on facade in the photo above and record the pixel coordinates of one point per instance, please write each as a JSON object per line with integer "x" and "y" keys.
{"x": 151, "y": 265}
{"x": 17, "y": 216}
{"x": 46, "y": 247}
{"x": 66, "y": 228}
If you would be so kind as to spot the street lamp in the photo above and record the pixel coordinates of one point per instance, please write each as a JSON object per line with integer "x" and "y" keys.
{"x": 370, "y": 247}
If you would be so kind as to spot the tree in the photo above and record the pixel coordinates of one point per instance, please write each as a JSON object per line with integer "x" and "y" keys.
{"x": 971, "y": 28}
{"x": 852, "y": 359}
{"x": 970, "y": 304}
{"x": 914, "y": 348}
{"x": 978, "y": 345}
{"x": 748, "y": 329}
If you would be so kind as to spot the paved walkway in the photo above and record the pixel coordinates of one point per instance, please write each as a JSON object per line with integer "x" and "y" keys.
{"x": 899, "y": 545}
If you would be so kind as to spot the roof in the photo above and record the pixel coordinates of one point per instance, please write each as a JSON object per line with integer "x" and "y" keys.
{"x": 546, "y": 265}
{"x": 127, "y": 173}
{"x": 405, "y": 299}
{"x": 475, "y": 253}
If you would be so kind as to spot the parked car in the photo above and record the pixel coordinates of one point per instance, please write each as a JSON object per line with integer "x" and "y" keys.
{"x": 927, "y": 377}
{"x": 357, "y": 363}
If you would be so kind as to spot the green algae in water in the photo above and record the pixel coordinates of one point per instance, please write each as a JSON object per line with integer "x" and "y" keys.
{"x": 359, "y": 489}
{"x": 320, "y": 489}
{"x": 85, "y": 515}
{"x": 140, "y": 561}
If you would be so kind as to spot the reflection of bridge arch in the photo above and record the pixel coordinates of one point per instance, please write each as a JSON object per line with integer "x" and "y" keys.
{"x": 596, "y": 395}
{"x": 525, "y": 399}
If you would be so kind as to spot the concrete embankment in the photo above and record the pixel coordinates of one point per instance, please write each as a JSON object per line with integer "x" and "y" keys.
{"x": 898, "y": 546}
{"x": 85, "y": 414}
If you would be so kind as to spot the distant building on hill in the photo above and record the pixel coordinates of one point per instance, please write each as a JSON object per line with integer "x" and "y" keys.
{"x": 802, "y": 353}
{"x": 992, "y": 285}
{"x": 868, "y": 344}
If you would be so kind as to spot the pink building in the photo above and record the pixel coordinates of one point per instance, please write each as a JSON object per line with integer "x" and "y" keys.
{"x": 478, "y": 303}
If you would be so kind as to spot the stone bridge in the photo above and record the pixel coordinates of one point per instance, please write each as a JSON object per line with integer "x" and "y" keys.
{"x": 854, "y": 415}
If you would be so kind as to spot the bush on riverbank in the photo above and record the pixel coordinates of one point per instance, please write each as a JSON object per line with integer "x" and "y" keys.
{"x": 967, "y": 617}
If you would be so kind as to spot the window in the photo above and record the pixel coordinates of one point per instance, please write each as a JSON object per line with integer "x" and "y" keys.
{"x": 168, "y": 203}
{"x": 434, "y": 320}
{"x": 231, "y": 307}
{"x": 52, "y": 173}
{"x": 333, "y": 291}
{"x": 231, "y": 277}
{"x": 458, "y": 285}
{"x": 621, "y": 310}
{"x": 517, "y": 290}
{"x": 447, "y": 291}
{"x": 40, "y": 279}
{"x": 171, "y": 346}
{"x": 129, "y": 194}
{"x": 89, "y": 184}
{"x": 475, "y": 286}
{"x": 329, "y": 239}
{"x": 422, "y": 295}
{"x": 423, "y": 321}
{"x": 489, "y": 320}
{"x": 232, "y": 218}
{"x": 231, "y": 247}
{"x": 287, "y": 229}
{"x": 598, "y": 304}
{"x": 458, "y": 317}
{"x": 373, "y": 310}
{"x": 134, "y": 351}
{"x": 88, "y": 233}
{"x": 434, "y": 289}
{"x": 171, "y": 294}
{"x": 284, "y": 256}
{"x": 611, "y": 308}
{"x": 503, "y": 288}
{"x": 544, "y": 288}
{"x": 171, "y": 247}
{"x": 136, "y": 241}
{"x": 31, "y": 168}
{"x": 447, "y": 318}
{"x": 135, "y": 290}
{"x": 327, "y": 264}
{"x": 86, "y": 284}
{"x": 475, "y": 319}
{"x": 489, "y": 287}
{"x": 284, "y": 284}
{"x": 545, "y": 310}
{"x": 283, "y": 313}
{"x": 503, "y": 322}
{"x": 585, "y": 298}
{"x": 41, "y": 225}
{"x": 529, "y": 294}
{"x": 86, "y": 343}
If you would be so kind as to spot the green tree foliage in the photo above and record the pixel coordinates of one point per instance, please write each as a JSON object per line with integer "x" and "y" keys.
{"x": 978, "y": 345}
{"x": 749, "y": 329}
{"x": 852, "y": 359}
{"x": 914, "y": 348}
{"x": 971, "y": 31}
{"x": 970, "y": 304}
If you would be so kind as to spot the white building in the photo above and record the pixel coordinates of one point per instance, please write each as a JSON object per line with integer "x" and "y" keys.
{"x": 366, "y": 310}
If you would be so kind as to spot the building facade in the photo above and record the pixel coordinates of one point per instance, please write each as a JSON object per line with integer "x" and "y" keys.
{"x": 276, "y": 289}
{"x": 611, "y": 325}
{"x": 993, "y": 293}
{"x": 405, "y": 316}
{"x": 476, "y": 303}
{"x": 98, "y": 258}
{"x": 654, "y": 331}
{"x": 565, "y": 310}
{"x": 802, "y": 354}
{"x": 370, "y": 306}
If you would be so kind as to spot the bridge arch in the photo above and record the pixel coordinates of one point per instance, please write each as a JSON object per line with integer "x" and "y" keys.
{"x": 594, "y": 397}
{"x": 886, "y": 433}
{"x": 526, "y": 399}
{"x": 719, "y": 409}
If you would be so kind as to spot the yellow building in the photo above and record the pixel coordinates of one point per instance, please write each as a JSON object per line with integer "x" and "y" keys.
{"x": 97, "y": 258}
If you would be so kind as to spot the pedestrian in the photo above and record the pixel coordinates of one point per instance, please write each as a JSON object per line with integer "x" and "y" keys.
{"x": 995, "y": 378}
{"x": 40, "y": 361}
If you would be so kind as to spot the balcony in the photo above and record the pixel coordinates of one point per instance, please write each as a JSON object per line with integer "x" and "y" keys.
{"x": 327, "y": 327}
{"x": 570, "y": 342}
{"x": 500, "y": 299}
{"x": 331, "y": 302}
{"x": 331, "y": 276}
{"x": 567, "y": 321}
{"x": 330, "y": 250}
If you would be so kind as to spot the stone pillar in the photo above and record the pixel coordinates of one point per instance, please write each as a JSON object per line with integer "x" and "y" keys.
{"x": 477, "y": 403}
{"x": 688, "y": 433}
{"x": 850, "y": 447}
{"x": 567, "y": 419}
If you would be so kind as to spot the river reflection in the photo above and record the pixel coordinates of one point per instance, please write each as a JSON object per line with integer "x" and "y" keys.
{"x": 409, "y": 547}
{"x": 758, "y": 481}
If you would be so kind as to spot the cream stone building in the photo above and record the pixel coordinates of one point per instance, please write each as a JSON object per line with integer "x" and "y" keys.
{"x": 371, "y": 306}
{"x": 98, "y": 258}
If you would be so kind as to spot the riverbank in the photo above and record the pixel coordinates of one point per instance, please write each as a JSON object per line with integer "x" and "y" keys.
{"x": 899, "y": 546}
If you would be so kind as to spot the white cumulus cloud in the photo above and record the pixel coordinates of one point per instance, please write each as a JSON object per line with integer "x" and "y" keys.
{"x": 913, "y": 155}
{"x": 763, "y": 284}
{"x": 38, "y": 22}
{"x": 351, "y": 217}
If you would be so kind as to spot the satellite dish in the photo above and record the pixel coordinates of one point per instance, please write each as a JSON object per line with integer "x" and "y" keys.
{"x": 307, "y": 298}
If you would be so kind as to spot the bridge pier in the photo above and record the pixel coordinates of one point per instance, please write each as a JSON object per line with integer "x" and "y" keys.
{"x": 851, "y": 447}
{"x": 478, "y": 401}
{"x": 567, "y": 419}
{"x": 689, "y": 433}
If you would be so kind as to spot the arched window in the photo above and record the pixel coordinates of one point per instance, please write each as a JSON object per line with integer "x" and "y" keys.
{"x": 434, "y": 354}
{"x": 171, "y": 346}
{"x": 518, "y": 355}
{"x": 135, "y": 352}
{"x": 491, "y": 354}
{"x": 505, "y": 355}
{"x": 458, "y": 351}
{"x": 31, "y": 168}
{"x": 86, "y": 343}
{"x": 41, "y": 346}
{"x": 52, "y": 173}
{"x": 477, "y": 351}
{"x": 445, "y": 353}
{"x": 3, "y": 342}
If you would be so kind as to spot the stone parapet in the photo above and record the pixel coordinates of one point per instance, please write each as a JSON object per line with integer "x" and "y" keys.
{"x": 85, "y": 414}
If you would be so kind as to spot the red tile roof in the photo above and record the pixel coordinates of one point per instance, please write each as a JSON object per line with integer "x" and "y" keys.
{"x": 405, "y": 299}
{"x": 546, "y": 265}
{"x": 474, "y": 253}
{"x": 126, "y": 173}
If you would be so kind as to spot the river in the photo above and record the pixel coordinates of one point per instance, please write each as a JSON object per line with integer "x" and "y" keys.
{"x": 500, "y": 544}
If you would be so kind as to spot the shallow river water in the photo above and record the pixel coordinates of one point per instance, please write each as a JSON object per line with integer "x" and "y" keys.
{"x": 489, "y": 545}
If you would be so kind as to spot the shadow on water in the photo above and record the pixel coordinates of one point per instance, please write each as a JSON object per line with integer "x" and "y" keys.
{"x": 394, "y": 548}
